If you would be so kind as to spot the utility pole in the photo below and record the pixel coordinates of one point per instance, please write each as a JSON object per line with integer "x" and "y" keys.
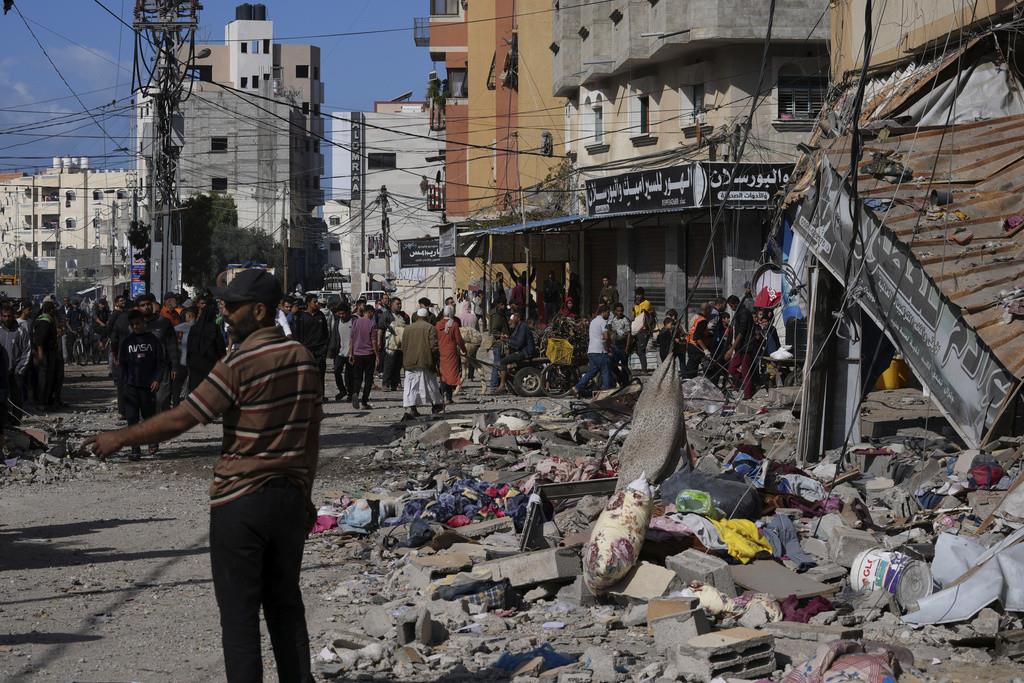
{"x": 385, "y": 227}
{"x": 113, "y": 246}
{"x": 169, "y": 26}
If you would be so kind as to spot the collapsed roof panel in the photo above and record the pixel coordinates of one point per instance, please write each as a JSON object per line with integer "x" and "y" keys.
{"x": 943, "y": 224}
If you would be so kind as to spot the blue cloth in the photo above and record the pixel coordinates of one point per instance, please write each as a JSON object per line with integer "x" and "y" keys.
{"x": 597, "y": 363}
{"x": 785, "y": 541}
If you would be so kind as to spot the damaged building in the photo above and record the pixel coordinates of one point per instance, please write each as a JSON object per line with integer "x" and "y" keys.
{"x": 918, "y": 255}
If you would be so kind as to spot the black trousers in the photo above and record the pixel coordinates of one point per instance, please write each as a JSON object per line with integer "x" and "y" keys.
{"x": 256, "y": 554}
{"x": 139, "y": 404}
{"x": 362, "y": 376}
{"x": 392, "y": 375}
{"x": 343, "y": 375}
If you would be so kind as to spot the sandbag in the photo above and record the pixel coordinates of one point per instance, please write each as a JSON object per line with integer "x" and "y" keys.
{"x": 618, "y": 536}
{"x": 658, "y": 433}
{"x": 734, "y": 499}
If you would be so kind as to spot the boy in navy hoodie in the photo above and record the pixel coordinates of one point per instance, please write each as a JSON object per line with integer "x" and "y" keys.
{"x": 142, "y": 363}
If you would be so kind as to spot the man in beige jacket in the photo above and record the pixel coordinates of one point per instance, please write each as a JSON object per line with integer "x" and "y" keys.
{"x": 419, "y": 358}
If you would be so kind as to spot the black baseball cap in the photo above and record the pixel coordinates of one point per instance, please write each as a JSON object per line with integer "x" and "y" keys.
{"x": 253, "y": 284}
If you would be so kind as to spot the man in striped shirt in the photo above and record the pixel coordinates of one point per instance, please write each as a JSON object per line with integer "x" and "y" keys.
{"x": 269, "y": 392}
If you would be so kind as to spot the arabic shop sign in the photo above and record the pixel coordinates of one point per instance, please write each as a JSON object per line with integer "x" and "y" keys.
{"x": 965, "y": 377}
{"x": 424, "y": 252}
{"x": 689, "y": 186}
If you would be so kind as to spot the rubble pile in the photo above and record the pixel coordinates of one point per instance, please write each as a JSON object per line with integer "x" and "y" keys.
{"x": 43, "y": 451}
{"x": 514, "y": 552}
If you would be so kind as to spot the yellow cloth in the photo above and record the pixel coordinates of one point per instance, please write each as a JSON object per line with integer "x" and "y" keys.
{"x": 743, "y": 538}
{"x": 642, "y": 307}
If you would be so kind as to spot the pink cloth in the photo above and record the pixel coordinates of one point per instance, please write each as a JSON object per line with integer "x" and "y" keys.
{"x": 323, "y": 523}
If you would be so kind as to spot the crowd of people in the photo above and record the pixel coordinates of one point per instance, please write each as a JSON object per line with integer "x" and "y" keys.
{"x": 160, "y": 352}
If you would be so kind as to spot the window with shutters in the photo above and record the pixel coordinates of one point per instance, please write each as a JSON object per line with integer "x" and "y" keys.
{"x": 800, "y": 97}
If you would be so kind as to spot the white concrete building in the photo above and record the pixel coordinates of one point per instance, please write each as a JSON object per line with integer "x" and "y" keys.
{"x": 69, "y": 206}
{"x": 398, "y": 151}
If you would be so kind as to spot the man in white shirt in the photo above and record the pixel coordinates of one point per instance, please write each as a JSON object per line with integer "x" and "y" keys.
{"x": 340, "y": 344}
{"x": 598, "y": 354}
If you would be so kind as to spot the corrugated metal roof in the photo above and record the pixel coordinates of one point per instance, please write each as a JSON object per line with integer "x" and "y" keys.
{"x": 528, "y": 226}
{"x": 962, "y": 245}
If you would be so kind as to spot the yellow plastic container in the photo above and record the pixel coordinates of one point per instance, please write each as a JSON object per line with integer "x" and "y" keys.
{"x": 896, "y": 376}
{"x": 559, "y": 351}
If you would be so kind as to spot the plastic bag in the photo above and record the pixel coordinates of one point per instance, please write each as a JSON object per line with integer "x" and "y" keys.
{"x": 618, "y": 536}
{"x": 733, "y": 499}
{"x": 697, "y": 502}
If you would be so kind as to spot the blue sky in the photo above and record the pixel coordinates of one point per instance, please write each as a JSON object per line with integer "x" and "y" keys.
{"x": 88, "y": 44}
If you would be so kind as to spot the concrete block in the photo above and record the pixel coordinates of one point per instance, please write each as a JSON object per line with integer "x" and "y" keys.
{"x": 846, "y": 543}
{"x": 644, "y": 582}
{"x": 529, "y": 569}
{"x": 674, "y": 631}
{"x": 577, "y": 593}
{"x": 732, "y": 653}
{"x": 481, "y": 529}
{"x": 795, "y": 642}
{"x": 693, "y": 565}
{"x": 815, "y": 546}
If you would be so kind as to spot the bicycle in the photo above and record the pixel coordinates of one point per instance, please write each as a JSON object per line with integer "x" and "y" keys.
{"x": 78, "y": 353}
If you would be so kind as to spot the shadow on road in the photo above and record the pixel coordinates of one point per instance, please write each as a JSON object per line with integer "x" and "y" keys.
{"x": 37, "y": 547}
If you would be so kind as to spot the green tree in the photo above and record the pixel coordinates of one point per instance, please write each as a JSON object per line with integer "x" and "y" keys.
{"x": 211, "y": 239}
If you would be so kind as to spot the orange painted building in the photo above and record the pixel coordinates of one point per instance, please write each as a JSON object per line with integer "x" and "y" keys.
{"x": 491, "y": 91}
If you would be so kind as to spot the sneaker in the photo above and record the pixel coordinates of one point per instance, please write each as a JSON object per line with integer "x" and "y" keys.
{"x": 355, "y": 404}
{"x": 366, "y": 406}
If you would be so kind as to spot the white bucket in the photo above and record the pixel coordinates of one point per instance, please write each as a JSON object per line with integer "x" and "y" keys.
{"x": 907, "y": 579}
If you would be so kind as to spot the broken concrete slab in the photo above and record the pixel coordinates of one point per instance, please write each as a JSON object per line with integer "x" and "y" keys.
{"x": 528, "y": 569}
{"x": 478, "y": 530}
{"x": 768, "y": 576}
{"x": 644, "y": 582}
{"x": 694, "y": 566}
{"x": 664, "y": 608}
{"x": 577, "y": 593}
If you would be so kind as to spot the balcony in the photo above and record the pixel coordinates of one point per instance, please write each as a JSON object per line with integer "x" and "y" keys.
{"x": 421, "y": 31}
{"x": 435, "y": 197}
{"x": 444, "y": 8}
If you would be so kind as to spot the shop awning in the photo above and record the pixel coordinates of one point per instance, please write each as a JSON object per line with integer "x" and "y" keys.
{"x": 528, "y": 226}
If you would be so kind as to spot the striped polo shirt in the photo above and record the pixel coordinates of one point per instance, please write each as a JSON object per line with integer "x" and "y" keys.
{"x": 269, "y": 392}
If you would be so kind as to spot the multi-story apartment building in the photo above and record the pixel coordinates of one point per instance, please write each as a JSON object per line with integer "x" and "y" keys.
{"x": 252, "y": 130}
{"x": 69, "y": 213}
{"x": 491, "y": 94}
{"x": 392, "y": 147}
{"x": 665, "y": 89}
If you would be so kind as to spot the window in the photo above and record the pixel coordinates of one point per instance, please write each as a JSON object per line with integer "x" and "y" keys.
{"x": 256, "y": 82}
{"x": 800, "y": 97}
{"x": 70, "y": 196}
{"x": 381, "y": 160}
{"x": 254, "y": 46}
{"x": 71, "y": 224}
{"x": 301, "y": 71}
{"x": 266, "y": 46}
{"x": 97, "y": 195}
{"x": 219, "y": 184}
{"x": 643, "y": 106}
{"x": 122, "y": 194}
{"x": 49, "y": 249}
{"x": 335, "y": 220}
{"x": 244, "y": 82}
{"x": 444, "y": 8}
{"x": 305, "y": 108}
{"x": 245, "y": 46}
{"x": 458, "y": 85}
{"x": 691, "y": 98}
{"x": 218, "y": 144}
{"x": 204, "y": 72}
{"x": 316, "y": 73}
{"x": 597, "y": 121}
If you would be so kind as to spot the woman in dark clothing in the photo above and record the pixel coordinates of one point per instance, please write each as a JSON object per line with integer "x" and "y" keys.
{"x": 205, "y": 344}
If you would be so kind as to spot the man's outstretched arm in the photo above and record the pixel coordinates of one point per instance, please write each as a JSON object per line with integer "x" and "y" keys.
{"x": 160, "y": 427}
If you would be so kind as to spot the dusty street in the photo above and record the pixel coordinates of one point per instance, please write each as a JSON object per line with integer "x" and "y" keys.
{"x": 107, "y": 578}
